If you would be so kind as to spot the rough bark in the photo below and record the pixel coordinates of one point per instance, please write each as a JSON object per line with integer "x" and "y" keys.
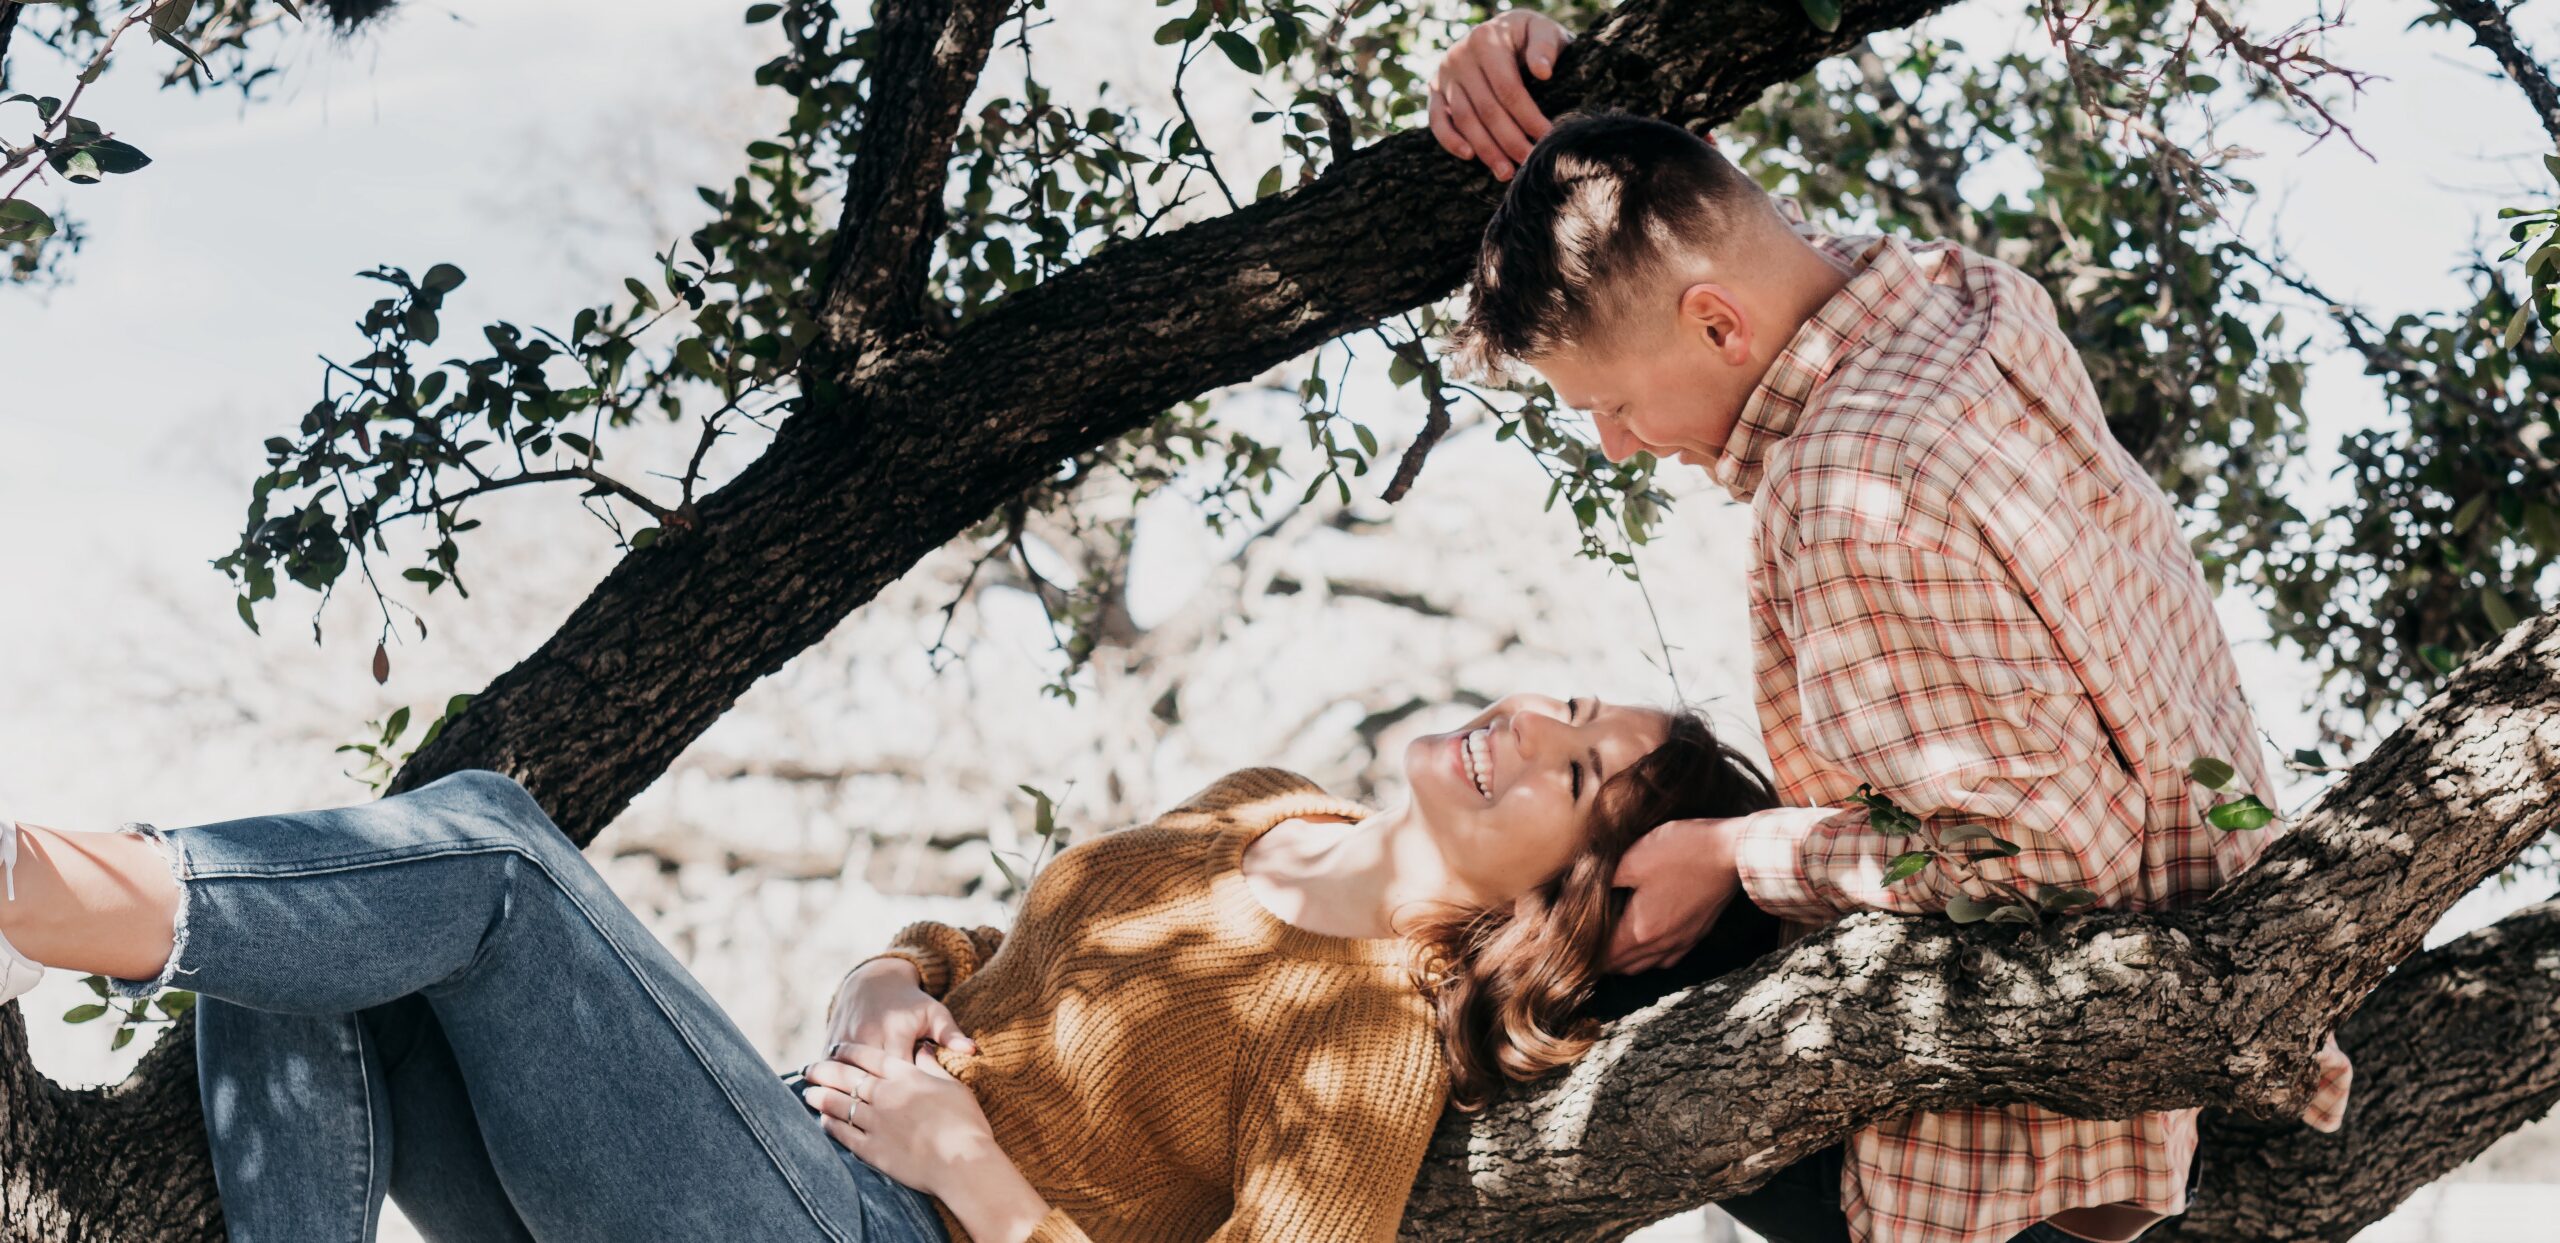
{"x": 929, "y": 54}
{"x": 2224, "y": 1004}
{"x": 2458, "y": 1047}
{"x": 119, "y": 1163}
{"x": 2491, "y": 30}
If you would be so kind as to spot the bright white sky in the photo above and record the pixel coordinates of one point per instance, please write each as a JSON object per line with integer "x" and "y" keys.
{"x": 133, "y": 401}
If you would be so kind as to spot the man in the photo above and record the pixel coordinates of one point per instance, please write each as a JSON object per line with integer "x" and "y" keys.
{"x": 1964, "y": 593}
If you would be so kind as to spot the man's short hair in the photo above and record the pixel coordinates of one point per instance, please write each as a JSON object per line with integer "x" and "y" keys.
{"x": 1603, "y": 201}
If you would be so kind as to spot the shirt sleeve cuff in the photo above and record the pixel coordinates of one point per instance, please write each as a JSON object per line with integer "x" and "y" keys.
{"x": 1770, "y": 857}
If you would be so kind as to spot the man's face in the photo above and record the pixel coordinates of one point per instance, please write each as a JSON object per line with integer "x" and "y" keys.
{"x": 1672, "y": 389}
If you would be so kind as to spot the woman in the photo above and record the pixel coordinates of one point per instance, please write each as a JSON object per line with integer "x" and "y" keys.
{"x": 1239, "y": 1022}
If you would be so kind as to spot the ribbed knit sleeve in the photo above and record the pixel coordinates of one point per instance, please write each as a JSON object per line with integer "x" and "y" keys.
{"x": 945, "y": 957}
{"x": 1057, "y": 1227}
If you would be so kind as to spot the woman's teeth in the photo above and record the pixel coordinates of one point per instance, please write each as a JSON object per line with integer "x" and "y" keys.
{"x": 1477, "y": 746}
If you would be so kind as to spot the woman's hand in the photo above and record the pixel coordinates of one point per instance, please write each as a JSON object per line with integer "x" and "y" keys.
{"x": 882, "y": 1003}
{"x": 909, "y": 1119}
{"x": 1480, "y": 107}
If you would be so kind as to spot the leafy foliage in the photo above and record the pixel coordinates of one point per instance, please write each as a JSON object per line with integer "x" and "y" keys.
{"x": 210, "y": 44}
{"x": 2092, "y": 165}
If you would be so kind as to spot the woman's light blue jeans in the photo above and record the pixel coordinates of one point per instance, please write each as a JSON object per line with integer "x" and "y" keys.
{"x": 436, "y": 997}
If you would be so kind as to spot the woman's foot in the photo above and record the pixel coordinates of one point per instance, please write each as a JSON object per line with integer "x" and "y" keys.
{"x": 18, "y": 973}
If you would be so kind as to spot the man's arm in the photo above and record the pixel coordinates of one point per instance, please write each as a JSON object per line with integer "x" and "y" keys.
{"x": 1927, "y": 674}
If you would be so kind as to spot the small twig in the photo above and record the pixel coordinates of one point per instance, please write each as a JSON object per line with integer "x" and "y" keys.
{"x": 1208, "y": 159}
{"x": 1435, "y": 424}
{"x": 693, "y": 469}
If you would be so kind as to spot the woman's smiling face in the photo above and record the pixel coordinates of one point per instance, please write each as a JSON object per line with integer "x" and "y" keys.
{"x": 1508, "y": 795}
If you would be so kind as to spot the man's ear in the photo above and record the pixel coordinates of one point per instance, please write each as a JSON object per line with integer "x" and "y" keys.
{"x": 1716, "y": 317}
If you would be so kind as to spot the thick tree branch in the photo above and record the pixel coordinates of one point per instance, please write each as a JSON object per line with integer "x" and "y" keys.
{"x": 2459, "y": 1047}
{"x": 126, "y": 1162}
{"x": 2490, "y": 29}
{"x": 1706, "y": 1094}
{"x": 926, "y": 61}
{"x": 949, "y": 429}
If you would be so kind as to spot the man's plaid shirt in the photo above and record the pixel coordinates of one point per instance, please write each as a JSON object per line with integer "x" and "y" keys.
{"x": 1967, "y": 595}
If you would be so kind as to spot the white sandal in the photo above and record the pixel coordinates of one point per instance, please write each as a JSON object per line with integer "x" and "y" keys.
{"x": 18, "y": 973}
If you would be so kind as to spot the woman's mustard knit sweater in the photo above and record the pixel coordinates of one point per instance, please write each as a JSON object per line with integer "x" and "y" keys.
{"x": 1166, "y": 1060}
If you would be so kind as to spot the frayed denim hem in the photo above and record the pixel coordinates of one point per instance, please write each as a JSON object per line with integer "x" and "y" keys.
{"x": 178, "y": 871}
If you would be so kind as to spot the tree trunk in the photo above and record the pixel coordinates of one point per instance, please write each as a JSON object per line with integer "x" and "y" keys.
{"x": 104, "y": 1166}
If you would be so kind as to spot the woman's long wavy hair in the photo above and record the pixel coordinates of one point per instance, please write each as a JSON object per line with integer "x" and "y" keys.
{"x": 1510, "y": 982}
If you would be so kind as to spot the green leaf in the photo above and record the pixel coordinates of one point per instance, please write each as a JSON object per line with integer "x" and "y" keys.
{"x": 1238, "y": 49}
{"x": 442, "y": 278}
{"x": 1907, "y": 865}
{"x": 2494, "y": 606}
{"x": 124, "y": 1036}
{"x": 1825, "y": 14}
{"x": 1883, "y": 814}
{"x": 2440, "y": 656}
{"x": 396, "y": 726}
{"x": 22, "y": 221}
{"x": 2012, "y": 913}
{"x": 1269, "y": 185}
{"x": 1171, "y": 32}
{"x": 2241, "y": 815}
{"x": 82, "y": 1014}
{"x": 1044, "y": 812}
{"x": 2065, "y": 897}
{"x": 1011, "y": 877}
{"x": 757, "y": 13}
{"x": 2468, "y": 516}
{"x": 694, "y": 356}
{"x": 1994, "y": 845}
{"x": 2515, "y": 330}
{"x": 1967, "y": 909}
{"x": 2211, "y": 773}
